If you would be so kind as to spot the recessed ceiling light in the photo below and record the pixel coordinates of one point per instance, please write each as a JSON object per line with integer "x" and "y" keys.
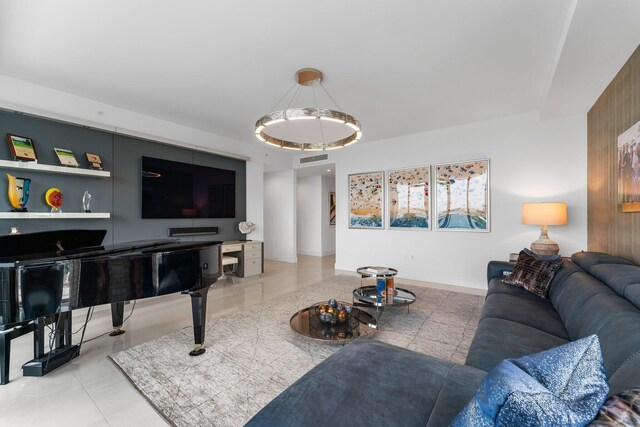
{"x": 328, "y": 170}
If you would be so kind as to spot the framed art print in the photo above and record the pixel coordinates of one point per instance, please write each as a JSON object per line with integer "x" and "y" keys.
{"x": 462, "y": 196}
{"x": 94, "y": 161}
{"x": 22, "y": 148}
{"x": 408, "y": 198}
{"x": 332, "y": 208}
{"x": 66, "y": 157}
{"x": 629, "y": 169}
{"x": 366, "y": 200}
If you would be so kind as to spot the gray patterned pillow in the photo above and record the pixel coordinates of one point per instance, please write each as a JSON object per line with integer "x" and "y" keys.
{"x": 623, "y": 409}
{"x": 533, "y": 274}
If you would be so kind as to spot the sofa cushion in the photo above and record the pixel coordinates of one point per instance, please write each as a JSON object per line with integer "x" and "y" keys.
{"x": 624, "y": 279}
{"x": 526, "y": 309}
{"x": 563, "y": 386}
{"x": 498, "y": 339}
{"x": 460, "y": 385}
{"x": 533, "y": 274}
{"x": 569, "y": 297}
{"x": 620, "y": 410}
{"x": 566, "y": 271}
{"x": 372, "y": 383}
{"x": 586, "y": 260}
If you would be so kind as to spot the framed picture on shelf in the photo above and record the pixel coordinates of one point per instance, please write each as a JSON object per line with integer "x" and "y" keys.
{"x": 94, "y": 161}
{"x": 22, "y": 148}
{"x": 332, "y": 208}
{"x": 408, "y": 198}
{"x": 462, "y": 196}
{"x": 366, "y": 200}
{"x": 66, "y": 157}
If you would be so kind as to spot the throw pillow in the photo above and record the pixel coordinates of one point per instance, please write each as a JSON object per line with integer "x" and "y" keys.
{"x": 563, "y": 386}
{"x": 541, "y": 257}
{"x": 533, "y": 274}
{"x": 623, "y": 409}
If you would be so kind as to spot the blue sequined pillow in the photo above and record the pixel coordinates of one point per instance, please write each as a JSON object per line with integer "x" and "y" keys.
{"x": 563, "y": 386}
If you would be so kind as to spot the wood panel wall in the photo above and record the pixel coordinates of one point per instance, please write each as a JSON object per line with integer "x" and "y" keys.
{"x": 617, "y": 109}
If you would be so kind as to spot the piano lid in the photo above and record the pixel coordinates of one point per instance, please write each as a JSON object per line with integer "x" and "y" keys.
{"x": 16, "y": 246}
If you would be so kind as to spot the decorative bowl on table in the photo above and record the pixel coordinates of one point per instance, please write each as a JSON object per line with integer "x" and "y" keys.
{"x": 334, "y": 312}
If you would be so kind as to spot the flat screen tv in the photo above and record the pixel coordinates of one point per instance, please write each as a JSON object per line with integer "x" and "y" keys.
{"x": 182, "y": 190}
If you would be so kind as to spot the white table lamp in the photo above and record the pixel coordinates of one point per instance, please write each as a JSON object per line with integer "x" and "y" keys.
{"x": 544, "y": 214}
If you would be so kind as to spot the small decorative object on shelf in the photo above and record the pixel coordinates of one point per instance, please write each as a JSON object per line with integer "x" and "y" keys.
{"x": 18, "y": 193}
{"x": 86, "y": 201}
{"x": 390, "y": 291}
{"x": 66, "y": 157}
{"x": 246, "y": 227}
{"x": 54, "y": 198}
{"x": 15, "y": 230}
{"x": 22, "y": 148}
{"x": 94, "y": 161}
{"x": 381, "y": 286}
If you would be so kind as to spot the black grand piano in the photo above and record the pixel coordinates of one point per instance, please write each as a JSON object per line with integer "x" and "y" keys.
{"x": 46, "y": 275}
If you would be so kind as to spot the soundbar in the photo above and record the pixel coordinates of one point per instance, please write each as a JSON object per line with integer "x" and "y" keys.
{"x": 192, "y": 231}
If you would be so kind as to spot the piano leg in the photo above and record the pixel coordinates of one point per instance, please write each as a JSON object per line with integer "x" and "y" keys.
{"x": 5, "y": 347}
{"x": 199, "y": 312}
{"x": 117, "y": 316}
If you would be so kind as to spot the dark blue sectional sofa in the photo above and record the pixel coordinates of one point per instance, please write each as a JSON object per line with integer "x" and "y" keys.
{"x": 371, "y": 383}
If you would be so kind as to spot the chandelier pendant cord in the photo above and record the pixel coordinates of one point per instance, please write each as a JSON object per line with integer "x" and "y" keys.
{"x": 283, "y": 97}
{"x": 330, "y": 97}
{"x": 315, "y": 101}
{"x": 294, "y": 101}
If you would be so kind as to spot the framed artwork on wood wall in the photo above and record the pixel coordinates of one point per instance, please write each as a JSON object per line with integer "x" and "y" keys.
{"x": 366, "y": 200}
{"x": 462, "y": 196}
{"x": 408, "y": 198}
{"x": 629, "y": 169}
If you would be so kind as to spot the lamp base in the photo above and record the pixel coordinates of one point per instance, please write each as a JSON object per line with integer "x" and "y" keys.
{"x": 544, "y": 245}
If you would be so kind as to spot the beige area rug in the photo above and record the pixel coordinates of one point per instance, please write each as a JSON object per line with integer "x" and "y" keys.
{"x": 253, "y": 355}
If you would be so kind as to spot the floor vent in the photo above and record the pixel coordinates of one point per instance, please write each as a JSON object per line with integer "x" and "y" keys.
{"x": 314, "y": 158}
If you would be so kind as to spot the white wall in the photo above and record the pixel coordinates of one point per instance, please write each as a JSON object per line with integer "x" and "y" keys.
{"x": 280, "y": 216}
{"x": 530, "y": 160}
{"x": 255, "y": 198}
{"x": 309, "y": 215}
{"x": 328, "y": 231}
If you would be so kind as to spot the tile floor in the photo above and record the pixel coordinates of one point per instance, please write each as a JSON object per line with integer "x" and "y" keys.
{"x": 90, "y": 391}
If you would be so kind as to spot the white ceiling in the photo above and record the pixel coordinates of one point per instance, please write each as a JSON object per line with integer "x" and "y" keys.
{"x": 399, "y": 67}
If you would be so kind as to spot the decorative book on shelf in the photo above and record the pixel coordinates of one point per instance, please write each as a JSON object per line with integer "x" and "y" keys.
{"x": 378, "y": 270}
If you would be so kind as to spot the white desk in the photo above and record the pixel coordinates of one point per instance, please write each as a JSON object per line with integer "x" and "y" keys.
{"x": 250, "y": 256}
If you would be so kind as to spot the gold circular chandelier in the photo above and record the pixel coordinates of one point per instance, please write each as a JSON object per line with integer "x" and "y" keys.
{"x": 308, "y": 128}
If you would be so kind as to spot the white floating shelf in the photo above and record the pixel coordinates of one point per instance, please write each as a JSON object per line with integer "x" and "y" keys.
{"x": 38, "y": 167}
{"x": 50, "y": 215}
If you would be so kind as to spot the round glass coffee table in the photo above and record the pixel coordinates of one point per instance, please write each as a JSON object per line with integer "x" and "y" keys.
{"x": 368, "y": 296}
{"x": 307, "y": 322}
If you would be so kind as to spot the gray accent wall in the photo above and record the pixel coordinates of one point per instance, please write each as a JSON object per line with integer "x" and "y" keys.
{"x": 120, "y": 194}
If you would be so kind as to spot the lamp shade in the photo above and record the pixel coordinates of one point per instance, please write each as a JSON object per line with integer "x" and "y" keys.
{"x": 544, "y": 213}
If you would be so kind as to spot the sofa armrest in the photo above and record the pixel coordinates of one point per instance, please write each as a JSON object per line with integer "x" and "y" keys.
{"x": 497, "y": 269}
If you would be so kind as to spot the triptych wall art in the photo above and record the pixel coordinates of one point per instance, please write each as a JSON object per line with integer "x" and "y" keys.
{"x": 461, "y": 198}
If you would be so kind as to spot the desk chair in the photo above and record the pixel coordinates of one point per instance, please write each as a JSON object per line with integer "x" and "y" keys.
{"x": 229, "y": 267}
{"x": 230, "y": 262}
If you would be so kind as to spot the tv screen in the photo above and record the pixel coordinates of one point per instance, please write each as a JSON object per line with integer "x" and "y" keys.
{"x": 182, "y": 190}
